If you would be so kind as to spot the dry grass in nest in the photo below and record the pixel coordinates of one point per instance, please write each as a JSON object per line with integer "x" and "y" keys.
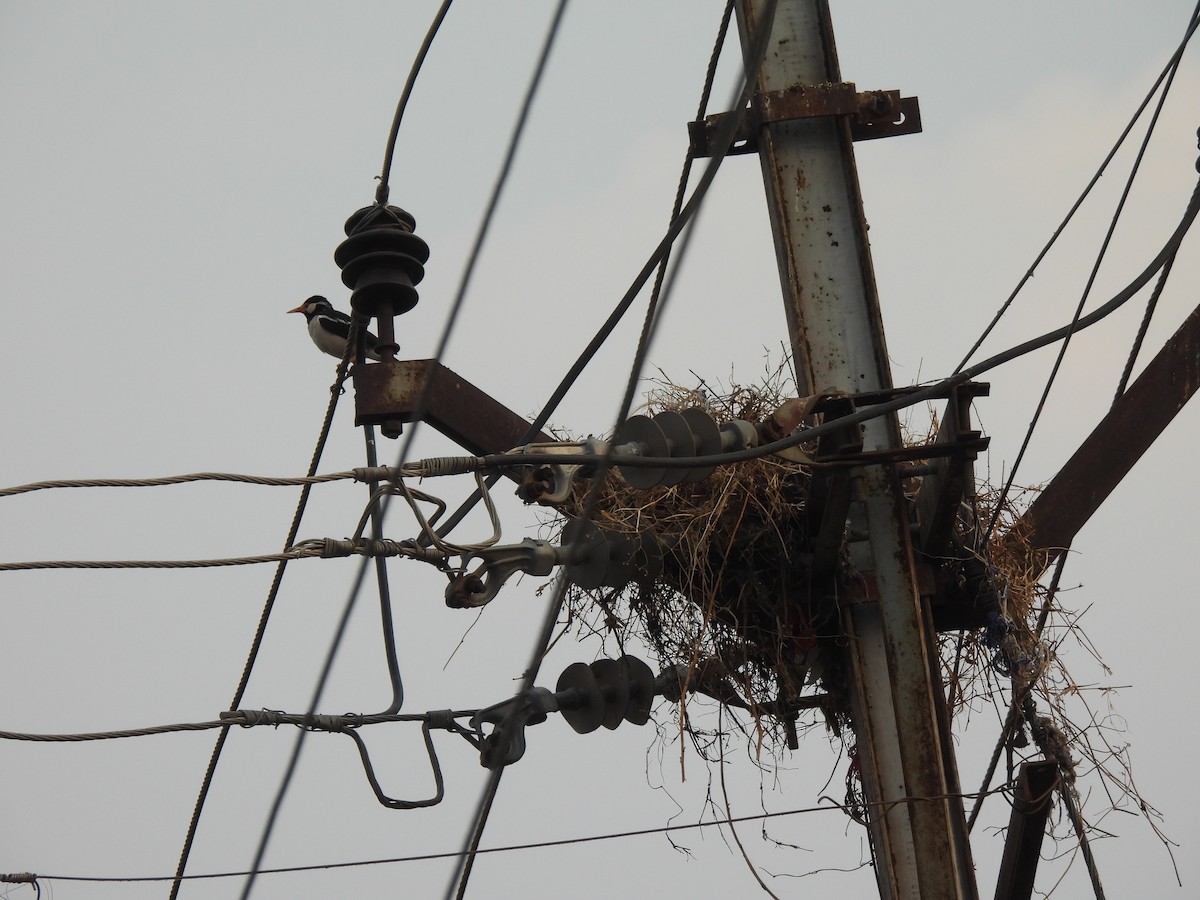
{"x": 725, "y": 604}
{"x": 734, "y": 600}
{"x": 733, "y": 603}
{"x": 978, "y": 663}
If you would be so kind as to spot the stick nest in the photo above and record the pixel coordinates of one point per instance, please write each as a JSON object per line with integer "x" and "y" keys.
{"x": 725, "y": 603}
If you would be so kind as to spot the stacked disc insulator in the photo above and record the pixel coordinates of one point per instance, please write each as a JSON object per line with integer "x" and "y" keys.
{"x": 382, "y": 261}
{"x": 676, "y": 435}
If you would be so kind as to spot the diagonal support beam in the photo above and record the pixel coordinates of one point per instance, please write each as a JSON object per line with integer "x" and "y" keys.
{"x": 1113, "y": 448}
{"x": 392, "y": 392}
{"x": 1032, "y": 803}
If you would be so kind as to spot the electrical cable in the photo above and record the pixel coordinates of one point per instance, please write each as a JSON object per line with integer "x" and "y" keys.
{"x": 422, "y": 404}
{"x": 659, "y": 295}
{"x": 1171, "y": 64}
{"x": 239, "y": 718}
{"x": 1085, "y": 846}
{"x": 905, "y": 399}
{"x": 293, "y": 553}
{"x": 1091, "y": 280}
{"x": 724, "y": 142}
{"x": 335, "y": 392}
{"x": 315, "y": 548}
{"x": 827, "y": 807}
{"x": 710, "y": 75}
{"x": 387, "y": 623}
{"x": 1151, "y": 305}
{"x": 174, "y": 479}
{"x": 299, "y": 510}
{"x": 1018, "y": 698}
{"x": 381, "y": 192}
{"x": 657, "y": 261}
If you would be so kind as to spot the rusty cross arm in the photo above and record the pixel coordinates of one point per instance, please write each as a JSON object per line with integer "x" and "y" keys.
{"x": 477, "y": 422}
{"x": 1106, "y": 456}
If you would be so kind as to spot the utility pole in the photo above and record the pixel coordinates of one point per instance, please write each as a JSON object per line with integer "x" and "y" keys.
{"x": 802, "y": 114}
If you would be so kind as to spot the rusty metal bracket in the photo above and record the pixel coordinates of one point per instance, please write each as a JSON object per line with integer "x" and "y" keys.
{"x": 953, "y": 476}
{"x": 1032, "y": 803}
{"x": 389, "y": 392}
{"x": 1115, "y": 445}
{"x": 871, "y": 114}
{"x": 830, "y": 491}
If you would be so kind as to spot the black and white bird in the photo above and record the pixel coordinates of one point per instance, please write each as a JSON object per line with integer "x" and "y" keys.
{"x": 330, "y": 329}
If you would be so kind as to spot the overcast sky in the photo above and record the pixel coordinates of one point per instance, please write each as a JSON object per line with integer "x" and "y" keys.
{"x": 174, "y": 177}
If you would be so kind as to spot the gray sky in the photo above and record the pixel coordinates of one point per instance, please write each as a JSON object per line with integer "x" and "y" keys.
{"x": 176, "y": 176}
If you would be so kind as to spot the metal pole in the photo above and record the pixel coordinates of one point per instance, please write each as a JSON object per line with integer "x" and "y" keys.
{"x": 918, "y": 834}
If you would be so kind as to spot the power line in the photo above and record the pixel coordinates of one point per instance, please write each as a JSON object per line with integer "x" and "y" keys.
{"x": 1171, "y": 64}
{"x": 386, "y": 623}
{"x": 381, "y": 193}
{"x": 244, "y": 718}
{"x": 1151, "y": 305}
{"x": 1100, "y": 255}
{"x": 335, "y": 391}
{"x": 425, "y": 468}
{"x": 322, "y": 548}
{"x": 724, "y": 142}
{"x": 906, "y": 398}
{"x": 422, "y": 404}
{"x": 829, "y": 806}
{"x": 295, "y": 553}
{"x": 174, "y": 479}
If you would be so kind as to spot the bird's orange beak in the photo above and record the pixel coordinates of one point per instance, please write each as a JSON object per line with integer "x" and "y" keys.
{"x": 299, "y": 308}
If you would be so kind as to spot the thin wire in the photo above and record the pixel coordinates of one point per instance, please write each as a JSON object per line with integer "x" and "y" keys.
{"x": 110, "y": 735}
{"x": 240, "y": 718}
{"x": 659, "y": 296}
{"x": 422, "y": 404}
{"x": 1151, "y": 305}
{"x": 710, "y": 75}
{"x": 1085, "y": 846}
{"x": 335, "y": 392}
{"x": 1018, "y": 698}
{"x": 381, "y": 192}
{"x": 1087, "y": 290}
{"x": 462, "y": 874}
{"x": 657, "y": 260}
{"x": 387, "y": 623}
{"x": 323, "y": 548}
{"x": 829, "y": 806}
{"x": 904, "y": 400}
{"x": 294, "y": 553}
{"x": 1172, "y": 63}
{"x": 173, "y": 479}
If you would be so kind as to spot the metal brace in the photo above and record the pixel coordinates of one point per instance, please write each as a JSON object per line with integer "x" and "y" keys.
{"x": 872, "y": 114}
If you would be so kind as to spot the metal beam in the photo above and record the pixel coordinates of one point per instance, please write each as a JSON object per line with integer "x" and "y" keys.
{"x": 1135, "y": 421}
{"x": 917, "y": 832}
{"x": 392, "y": 391}
{"x": 1032, "y": 802}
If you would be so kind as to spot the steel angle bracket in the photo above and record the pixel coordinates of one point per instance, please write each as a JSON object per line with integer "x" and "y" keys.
{"x": 830, "y": 490}
{"x": 1033, "y": 802}
{"x": 952, "y": 477}
{"x": 391, "y": 394}
{"x": 871, "y": 114}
